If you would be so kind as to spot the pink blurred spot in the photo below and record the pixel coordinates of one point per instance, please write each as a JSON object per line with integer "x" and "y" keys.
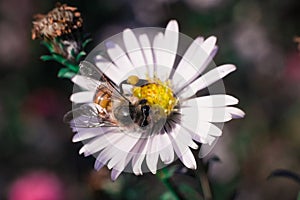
{"x": 293, "y": 67}
{"x": 36, "y": 186}
{"x": 44, "y": 102}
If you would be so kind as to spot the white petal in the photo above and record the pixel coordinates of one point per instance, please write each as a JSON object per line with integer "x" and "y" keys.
{"x": 194, "y": 61}
{"x": 115, "y": 174}
{"x": 193, "y": 145}
{"x": 139, "y": 157}
{"x": 202, "y": 131}
{"x": 148, "y": 54}
{"x": 186, "y": 157}
{"x": 167, "y": 152}
{"x": 86, "y": 82}
{"x": 191, "y": 59}
{"x": 182, "y": 150}
{"x": 117, "y": 170}
{"x": 185, "y": 137}
{"x": 210, "y": 139}
{"x": 209, "y": 44}
{"x": 87, "y": 134}
{"x": 209, "y": 129}
{"x": 78, "y": 137}
{"x": 98, "y": 165}
{"x": 82, "y": 97}
{"x": 208, "y": 79}
{"x": 133, "y": 48}
{"x": 218, "y": 100}
{"x": 119, "y": 57}
{"x": 170, "y": 44}
{"x": 90, "y": 132}
{"x": 100, "y": 143}
{"x": 122, "y": 148}
{"x": 152, "y": 155}
{"x": 192, "y": 114}
{"x": 236, "y": 112}
{"x": 157, "y": 51}
{"x": 102, "y": 159}
{"x": 116, "y": 158}
{"x": 121, "y": 153}
{"x": 109, "y": 69}
{"x": 207, "y": 147}
{"x": 164, "y": 54}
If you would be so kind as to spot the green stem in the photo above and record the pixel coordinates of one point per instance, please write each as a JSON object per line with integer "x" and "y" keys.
{"x": 204, "y": 181}
{"x": 65, "y": 62}
{"x": 170, "y": 185}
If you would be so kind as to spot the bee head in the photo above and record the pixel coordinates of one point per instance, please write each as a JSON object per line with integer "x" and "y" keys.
{"x": 125, "y": 114}
{"x": 143, "y": 102}
{"x": 145, "y": 110}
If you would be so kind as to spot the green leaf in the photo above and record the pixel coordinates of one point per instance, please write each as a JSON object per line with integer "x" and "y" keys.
{"x": 46, "y": 58}
{"x": 48, "y": 45}
{"x": 61, "y": 46}
{"x": 189, "y": 192}
{"x": 86, "y": 42}
{"x": 59, "y": 58}
{"x": 65, "y": 62}
{"x": 166, "y": 173}
{"x": 298, "y": 197}
{"x": 79, "y": 56}
{"x": 167, "y": 196}
{"x": 65, "y": 73}
{"x": 73, "y": 53}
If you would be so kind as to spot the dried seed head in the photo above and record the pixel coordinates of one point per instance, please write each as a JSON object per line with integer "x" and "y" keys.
{"x": 61, "y": 20}
{"x": 297, "y": 40}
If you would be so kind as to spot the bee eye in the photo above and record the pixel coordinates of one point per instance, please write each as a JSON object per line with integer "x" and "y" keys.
{"x": 124, "y": 114}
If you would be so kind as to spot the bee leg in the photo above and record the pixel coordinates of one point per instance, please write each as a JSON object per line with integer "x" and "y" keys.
{"x": 140, "y": 82}
{"x": 121, "y": 86}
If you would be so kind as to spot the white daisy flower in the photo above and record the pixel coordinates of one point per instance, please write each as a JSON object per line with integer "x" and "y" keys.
{"x": 139, "y": 110}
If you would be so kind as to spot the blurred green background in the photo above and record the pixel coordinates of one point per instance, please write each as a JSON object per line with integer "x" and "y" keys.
{"x": 256, "y": 36}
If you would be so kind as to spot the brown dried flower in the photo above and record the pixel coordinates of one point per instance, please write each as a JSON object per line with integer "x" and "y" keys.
{"x": 61, "y": 20}
{"x": 297, "y": 40}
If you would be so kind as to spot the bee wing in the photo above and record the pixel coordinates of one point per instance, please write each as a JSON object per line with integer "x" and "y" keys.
{"x": 89, "y": 77}
{"x": 86, "y": 116}
{"x": 88, "y": 69}
{"x": 96, "y": 77}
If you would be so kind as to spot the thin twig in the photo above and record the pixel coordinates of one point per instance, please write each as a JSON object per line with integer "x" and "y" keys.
{"x": 202, "y": 176}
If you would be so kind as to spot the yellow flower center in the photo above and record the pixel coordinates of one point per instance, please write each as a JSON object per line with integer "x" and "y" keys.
{"x": 157, "y": 93}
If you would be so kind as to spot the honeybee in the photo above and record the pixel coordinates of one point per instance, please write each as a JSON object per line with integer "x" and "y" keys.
{"x": 129, "y": 114}
{"x": 112, "y": 107}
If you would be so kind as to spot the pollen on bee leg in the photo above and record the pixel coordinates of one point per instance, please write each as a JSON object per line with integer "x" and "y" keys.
{"x": 133, "y": 80}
